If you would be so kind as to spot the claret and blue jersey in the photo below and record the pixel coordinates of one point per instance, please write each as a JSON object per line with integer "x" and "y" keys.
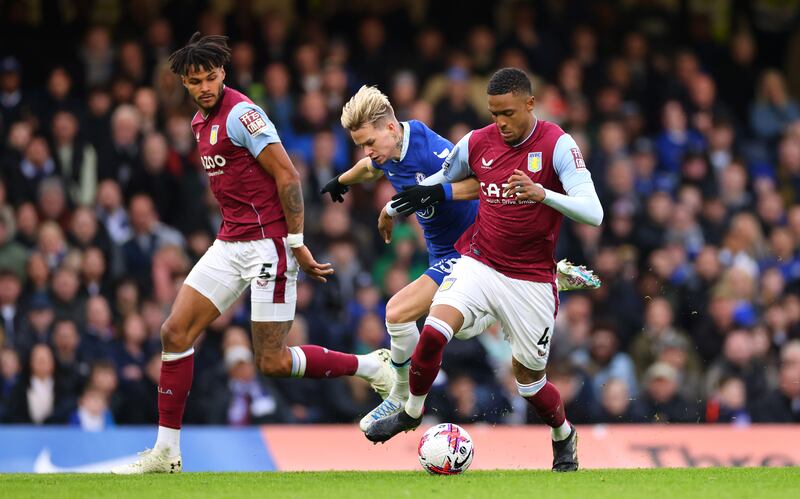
{"x": 421, "y": 156}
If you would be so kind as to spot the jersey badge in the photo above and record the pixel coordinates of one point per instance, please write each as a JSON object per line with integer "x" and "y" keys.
{"x": 214, "y": 135}
{"x": 534, "y": 162}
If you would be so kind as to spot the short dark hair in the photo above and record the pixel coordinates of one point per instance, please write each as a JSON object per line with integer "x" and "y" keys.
{"x": 509, "y": 80}
{"x": 202, "y": 52}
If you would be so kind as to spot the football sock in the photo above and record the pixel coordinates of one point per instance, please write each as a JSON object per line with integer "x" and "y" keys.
{"x": 562, "y": 432}
{"x": 312, "y": 361}
{"x": 368, "y": 366}
{"x": 425, "y": 363}
{"x": 169, "y": 439}
{"x": 177, "y": 370}
{"x": 405, "y": 337}
{"x": 550, "y": 409}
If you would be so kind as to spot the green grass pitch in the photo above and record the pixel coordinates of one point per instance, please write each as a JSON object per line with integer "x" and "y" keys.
{"x": 708, "y": 483}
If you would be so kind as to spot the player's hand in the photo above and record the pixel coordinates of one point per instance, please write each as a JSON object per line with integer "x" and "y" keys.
{"x": 385, "y": 226}
{"x": 311, "y": 267}
{"x": 417, "y": 197}
{"x": 336, "y": 189}
{"x": 522, "y": 187}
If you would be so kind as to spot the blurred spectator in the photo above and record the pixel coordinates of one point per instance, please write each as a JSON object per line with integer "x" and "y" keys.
{"x": 92, "y": 413}
{"x": 37, "y": 326}
{"x": 38, "y": 396}
{"x": 728, "y": 403}
{"x": 616, "y": 404}
{"x": 774, "y": 108}
{"x": 660, "y": 401}
{"x": 25, "y": 176}
{"x": 9, "y": 374}
{"x": 782, "y": 405}
{"x": 246, "y": 398}
{"x": 149, "y": 234}
{"x": 13, "y": 255}
{"x": 10, "y": 292}
{"x": 13, "y": 103}
{"x": 605, "y": 362}
{"x": 75, "y": 158}
{"x": 71, "y": 369}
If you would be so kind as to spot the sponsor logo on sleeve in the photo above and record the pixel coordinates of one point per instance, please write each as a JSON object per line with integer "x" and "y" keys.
{"x": 253, "y": 122}
{"x": 580, "y": 164}
{"x": 534, "y": 162}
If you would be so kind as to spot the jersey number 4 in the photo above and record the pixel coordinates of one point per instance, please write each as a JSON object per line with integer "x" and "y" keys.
{"x": 544, "y": 340}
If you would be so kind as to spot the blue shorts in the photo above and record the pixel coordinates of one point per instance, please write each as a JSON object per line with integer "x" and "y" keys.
{"x": 442, "y": 267}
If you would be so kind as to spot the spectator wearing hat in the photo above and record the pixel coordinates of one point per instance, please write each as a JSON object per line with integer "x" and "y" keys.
{"x": 13, "y": 104}
{"x": 661, "y": 401}
{"x": 37, "y": 325}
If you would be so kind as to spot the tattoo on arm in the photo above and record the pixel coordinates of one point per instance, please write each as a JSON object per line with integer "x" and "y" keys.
{"x": 292, "y": 201}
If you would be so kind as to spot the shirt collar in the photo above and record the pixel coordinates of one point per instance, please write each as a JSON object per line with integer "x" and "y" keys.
{"x": 535, "y": 124}
{"x": 406, "y": 137}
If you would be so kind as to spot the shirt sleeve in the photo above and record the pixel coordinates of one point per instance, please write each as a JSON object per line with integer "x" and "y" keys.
{"x": 249, "y": 127}
{"x": 569, "y": 164}
{"x": 456, "y": 166}
{"x": 581, "y": 202}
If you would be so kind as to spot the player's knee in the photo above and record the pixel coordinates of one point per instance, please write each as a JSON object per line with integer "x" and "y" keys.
{"x": 397, "y": 313}
{"x": 275, "y": 364}
{"x": 174, "y": 338}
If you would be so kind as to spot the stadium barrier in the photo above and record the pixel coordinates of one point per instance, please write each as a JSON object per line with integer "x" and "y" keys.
{"x": 343, "y": 447}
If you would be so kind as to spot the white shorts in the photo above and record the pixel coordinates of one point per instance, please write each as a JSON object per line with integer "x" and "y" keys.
{"x": 267, "y": 265}
{"x": 526, "y": 310}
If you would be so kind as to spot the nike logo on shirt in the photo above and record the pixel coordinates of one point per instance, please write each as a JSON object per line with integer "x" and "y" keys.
{"x": 443, "y": 154}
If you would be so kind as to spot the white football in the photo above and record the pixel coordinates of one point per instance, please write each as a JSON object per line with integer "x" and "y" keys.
{"x": 445, "y": 449}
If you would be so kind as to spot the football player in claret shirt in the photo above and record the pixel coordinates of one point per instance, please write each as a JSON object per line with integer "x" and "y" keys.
{"x": 528, "y": 174}
{"x": 259, "y": 244}
{"x": 410, "y": 153}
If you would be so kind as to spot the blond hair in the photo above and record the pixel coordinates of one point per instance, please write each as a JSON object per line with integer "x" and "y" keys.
{"x": 368, "y": 106}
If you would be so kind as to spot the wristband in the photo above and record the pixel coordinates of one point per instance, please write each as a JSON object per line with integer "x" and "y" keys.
{"x": 389, "y": 210}
{"x": 294, "y": 240}
{"x": 448, "y": 191}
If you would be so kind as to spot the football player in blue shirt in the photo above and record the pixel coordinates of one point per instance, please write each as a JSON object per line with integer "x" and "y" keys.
{"x": 407, "y": 153}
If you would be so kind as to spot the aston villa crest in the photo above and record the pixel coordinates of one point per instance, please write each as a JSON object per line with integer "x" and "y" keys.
{"x": 215, "y": 134}
{"x": 534, "y": 162}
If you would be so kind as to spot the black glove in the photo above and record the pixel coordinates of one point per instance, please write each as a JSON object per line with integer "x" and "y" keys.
{"x": 335, "y": 189}
{"x": 417, "y": 197}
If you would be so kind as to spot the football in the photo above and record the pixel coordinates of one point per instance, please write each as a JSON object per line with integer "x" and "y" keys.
{"x": 445, "y": 449}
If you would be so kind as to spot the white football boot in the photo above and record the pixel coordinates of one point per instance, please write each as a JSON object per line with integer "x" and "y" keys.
{"x": 392, "y": 405}
{"x": 151, "y": 461}
{"x": 570, "y": 277}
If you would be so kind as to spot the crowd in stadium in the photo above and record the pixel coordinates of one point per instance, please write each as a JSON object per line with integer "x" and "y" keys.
{"x": 688, "y": 119}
